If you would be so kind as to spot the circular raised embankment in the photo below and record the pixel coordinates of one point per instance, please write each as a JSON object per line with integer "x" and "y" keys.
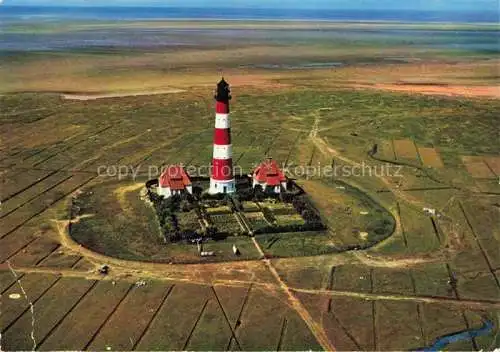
{"x": 113, "y": 219}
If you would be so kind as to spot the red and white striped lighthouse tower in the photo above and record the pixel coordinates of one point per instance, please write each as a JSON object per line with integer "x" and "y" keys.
{"x": 221, "y": 177}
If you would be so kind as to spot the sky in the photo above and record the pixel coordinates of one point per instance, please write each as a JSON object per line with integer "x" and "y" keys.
{"x": 445, "y": 5}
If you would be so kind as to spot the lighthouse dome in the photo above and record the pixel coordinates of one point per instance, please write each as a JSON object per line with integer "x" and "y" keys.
{"x": 223, "y": 93}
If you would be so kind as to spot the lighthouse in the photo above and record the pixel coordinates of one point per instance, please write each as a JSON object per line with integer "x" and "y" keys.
{"x": 221, "y": 177}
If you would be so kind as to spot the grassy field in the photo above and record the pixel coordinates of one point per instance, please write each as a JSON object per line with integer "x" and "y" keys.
{"x": 427, "y": 106}
{"x": 70, "y": 164}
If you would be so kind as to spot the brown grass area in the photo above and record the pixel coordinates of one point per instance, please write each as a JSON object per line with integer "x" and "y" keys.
{"x": 42, "y": 133}
{"x": 448, "y": 90}
{"x": 257, "y": 80}
{"x": 103, "y": 74}
{"x": 385, "y": 150}
{"x": 323, "y": 195}
{"x": 119, "y": 95}
{"x": 468, "y": 159}
{"x": 304, "y": 151}
{"x": 430, "y": 157}
{"x": 476, "y": 167}
{"x": 477, "y": 79}
{"x": 466, "y": 73}
{"x": 144, "y": 73}
{"x": 405, "y": 148}
{"x": 494, "y": 163}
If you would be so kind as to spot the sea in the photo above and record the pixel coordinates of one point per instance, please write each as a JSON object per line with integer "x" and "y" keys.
{"x": 156, "y": 13}
{"x": 20, "y": 30}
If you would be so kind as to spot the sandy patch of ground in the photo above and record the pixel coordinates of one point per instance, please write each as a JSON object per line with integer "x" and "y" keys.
{"x": 255, "y": 80}
{"x": 476, "y": 167}
{"x": 388, "y": 262}
{"x": 494, "y": 163}
{"x": 119, "y": 95}
{"x": 405, "y": 148}
{"x": 245, "y": 80}
{"x": 122, "y": 192}
{"x": 430, "y": 157}
{"x": 435, "y": 89}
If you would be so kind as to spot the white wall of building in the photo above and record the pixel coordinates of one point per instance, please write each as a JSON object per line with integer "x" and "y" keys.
{"x": 167, "y": 192}
{"x": 164, "y": 191}
{"x": 264, "y": 185}
{"x": 222, "y": 186}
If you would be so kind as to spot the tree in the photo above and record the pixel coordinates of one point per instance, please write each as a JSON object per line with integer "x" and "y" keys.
{"x": 258, "y": 193}
{"x": 197, "y": 191}
{"x": 185, "y": 205}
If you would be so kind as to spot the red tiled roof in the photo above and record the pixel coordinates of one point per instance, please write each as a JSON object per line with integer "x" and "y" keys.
{"x": 269, "y": 172}
{"x": 174, "y": 177}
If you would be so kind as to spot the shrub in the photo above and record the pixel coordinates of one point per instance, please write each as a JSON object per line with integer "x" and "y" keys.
{"x": 185, "y": 205}
{"x": 268, "y": 214}
{"x": 286, "y": 197}
{"x": 237, "y": 203}
{"x": 197, "y": 191}
{"x": 258, "y": 193}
